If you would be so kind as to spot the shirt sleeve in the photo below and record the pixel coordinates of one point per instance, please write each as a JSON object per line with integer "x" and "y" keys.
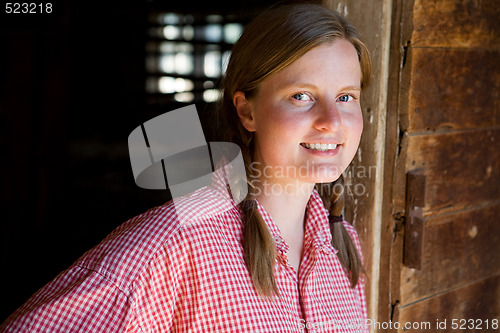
{"x": 77, "y": 300}
{"x": 128, "y": 283}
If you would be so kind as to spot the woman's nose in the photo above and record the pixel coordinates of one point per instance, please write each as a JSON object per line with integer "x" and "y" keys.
{"x": 328, "y": 118}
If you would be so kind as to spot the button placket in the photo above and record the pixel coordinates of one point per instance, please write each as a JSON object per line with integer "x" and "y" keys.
{"x": 281, "y": 251}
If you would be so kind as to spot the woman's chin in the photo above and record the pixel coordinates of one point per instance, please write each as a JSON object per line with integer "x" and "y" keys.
{"x": 323, "y": 178}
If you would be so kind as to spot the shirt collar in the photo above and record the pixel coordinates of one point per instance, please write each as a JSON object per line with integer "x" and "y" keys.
{"x": 281, "y": 245}
{"x": 317, "y": 229}
{"x": 218, "y": 197}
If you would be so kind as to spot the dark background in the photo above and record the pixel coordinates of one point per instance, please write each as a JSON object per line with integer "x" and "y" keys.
{"x": 72, "y": 88}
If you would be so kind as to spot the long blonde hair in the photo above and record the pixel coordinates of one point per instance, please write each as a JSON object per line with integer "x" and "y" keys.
{"x": 270, "y": 43}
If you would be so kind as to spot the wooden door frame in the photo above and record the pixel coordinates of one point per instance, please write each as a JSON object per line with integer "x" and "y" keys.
{"x": 376, "y": 219}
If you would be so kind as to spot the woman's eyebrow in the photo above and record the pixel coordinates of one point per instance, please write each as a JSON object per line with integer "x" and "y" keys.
{"x": 299, "y": 84}
{"x": 350, "y": 88}
{"x": 295, "y": 83}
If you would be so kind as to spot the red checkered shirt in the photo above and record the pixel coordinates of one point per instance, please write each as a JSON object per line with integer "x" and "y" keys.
{"x": 155, "y": 273}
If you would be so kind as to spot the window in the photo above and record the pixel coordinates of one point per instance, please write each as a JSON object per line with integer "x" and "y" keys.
{"x": 186, "y": 54}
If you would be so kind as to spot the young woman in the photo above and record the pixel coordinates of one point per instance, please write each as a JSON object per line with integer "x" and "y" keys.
{"x": 282, "y": 260}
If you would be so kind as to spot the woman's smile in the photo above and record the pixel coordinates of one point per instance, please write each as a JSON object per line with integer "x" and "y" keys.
{"x": 321, "y": 149}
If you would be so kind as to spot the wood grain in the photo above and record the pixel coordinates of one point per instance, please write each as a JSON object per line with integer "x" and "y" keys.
{"x": 462, "y": 168}
{"x": 459, "y": 248}
{"x": 456, "y": 23}
{"x": 453, "y": 89}
{"x": 449, "y": 116}
{"x": 476, "y": 301}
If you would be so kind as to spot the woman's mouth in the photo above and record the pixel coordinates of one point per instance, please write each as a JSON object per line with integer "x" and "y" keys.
{"x": 319, "y": 146}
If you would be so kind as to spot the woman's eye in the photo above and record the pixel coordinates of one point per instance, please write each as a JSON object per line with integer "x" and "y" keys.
{"x": 301, "y": 97}
{"x": 345, "y": 98}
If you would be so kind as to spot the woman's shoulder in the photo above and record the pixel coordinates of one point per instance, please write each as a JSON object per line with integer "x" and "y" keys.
{"x": 127, "y": 251}
{"x": 144, "y": 255}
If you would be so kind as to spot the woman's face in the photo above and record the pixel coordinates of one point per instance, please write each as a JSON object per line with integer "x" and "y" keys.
{"x": 307, "y": 118}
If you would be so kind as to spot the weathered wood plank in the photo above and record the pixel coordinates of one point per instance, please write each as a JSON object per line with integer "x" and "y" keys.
{"x": 462, "y": 168}
{"x": 453, "y": 88}
{"x": 497, "y": 110}
{"x": 363, "y": 208}
{"x": 449, "y": 106}
{"x": 479, "y": 301}
{"x": 456, "y": 23}
{"x": 459, "y": 248}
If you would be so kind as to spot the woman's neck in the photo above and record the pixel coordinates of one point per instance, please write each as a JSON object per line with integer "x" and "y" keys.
{"x": 286, "y": 203}
{"x": 287, "y": 209}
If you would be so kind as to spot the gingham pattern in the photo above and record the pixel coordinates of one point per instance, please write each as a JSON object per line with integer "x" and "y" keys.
{"x": 154, "y": 274}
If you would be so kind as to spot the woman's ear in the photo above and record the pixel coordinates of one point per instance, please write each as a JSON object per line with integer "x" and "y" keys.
{"x": 244, "y": 109}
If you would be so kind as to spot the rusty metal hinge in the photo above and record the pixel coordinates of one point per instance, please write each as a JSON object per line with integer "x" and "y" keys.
{"x": 414, "y": 224}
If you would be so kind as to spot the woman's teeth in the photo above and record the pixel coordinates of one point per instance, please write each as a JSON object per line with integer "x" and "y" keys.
{"x": 319, "y": 146}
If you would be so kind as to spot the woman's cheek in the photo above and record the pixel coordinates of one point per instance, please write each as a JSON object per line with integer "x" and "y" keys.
{"x": 354, "y": 121}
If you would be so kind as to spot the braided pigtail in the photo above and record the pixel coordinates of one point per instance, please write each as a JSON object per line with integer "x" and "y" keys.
{"x": 259, "y": 250}
{"x": 341, "y": 240}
